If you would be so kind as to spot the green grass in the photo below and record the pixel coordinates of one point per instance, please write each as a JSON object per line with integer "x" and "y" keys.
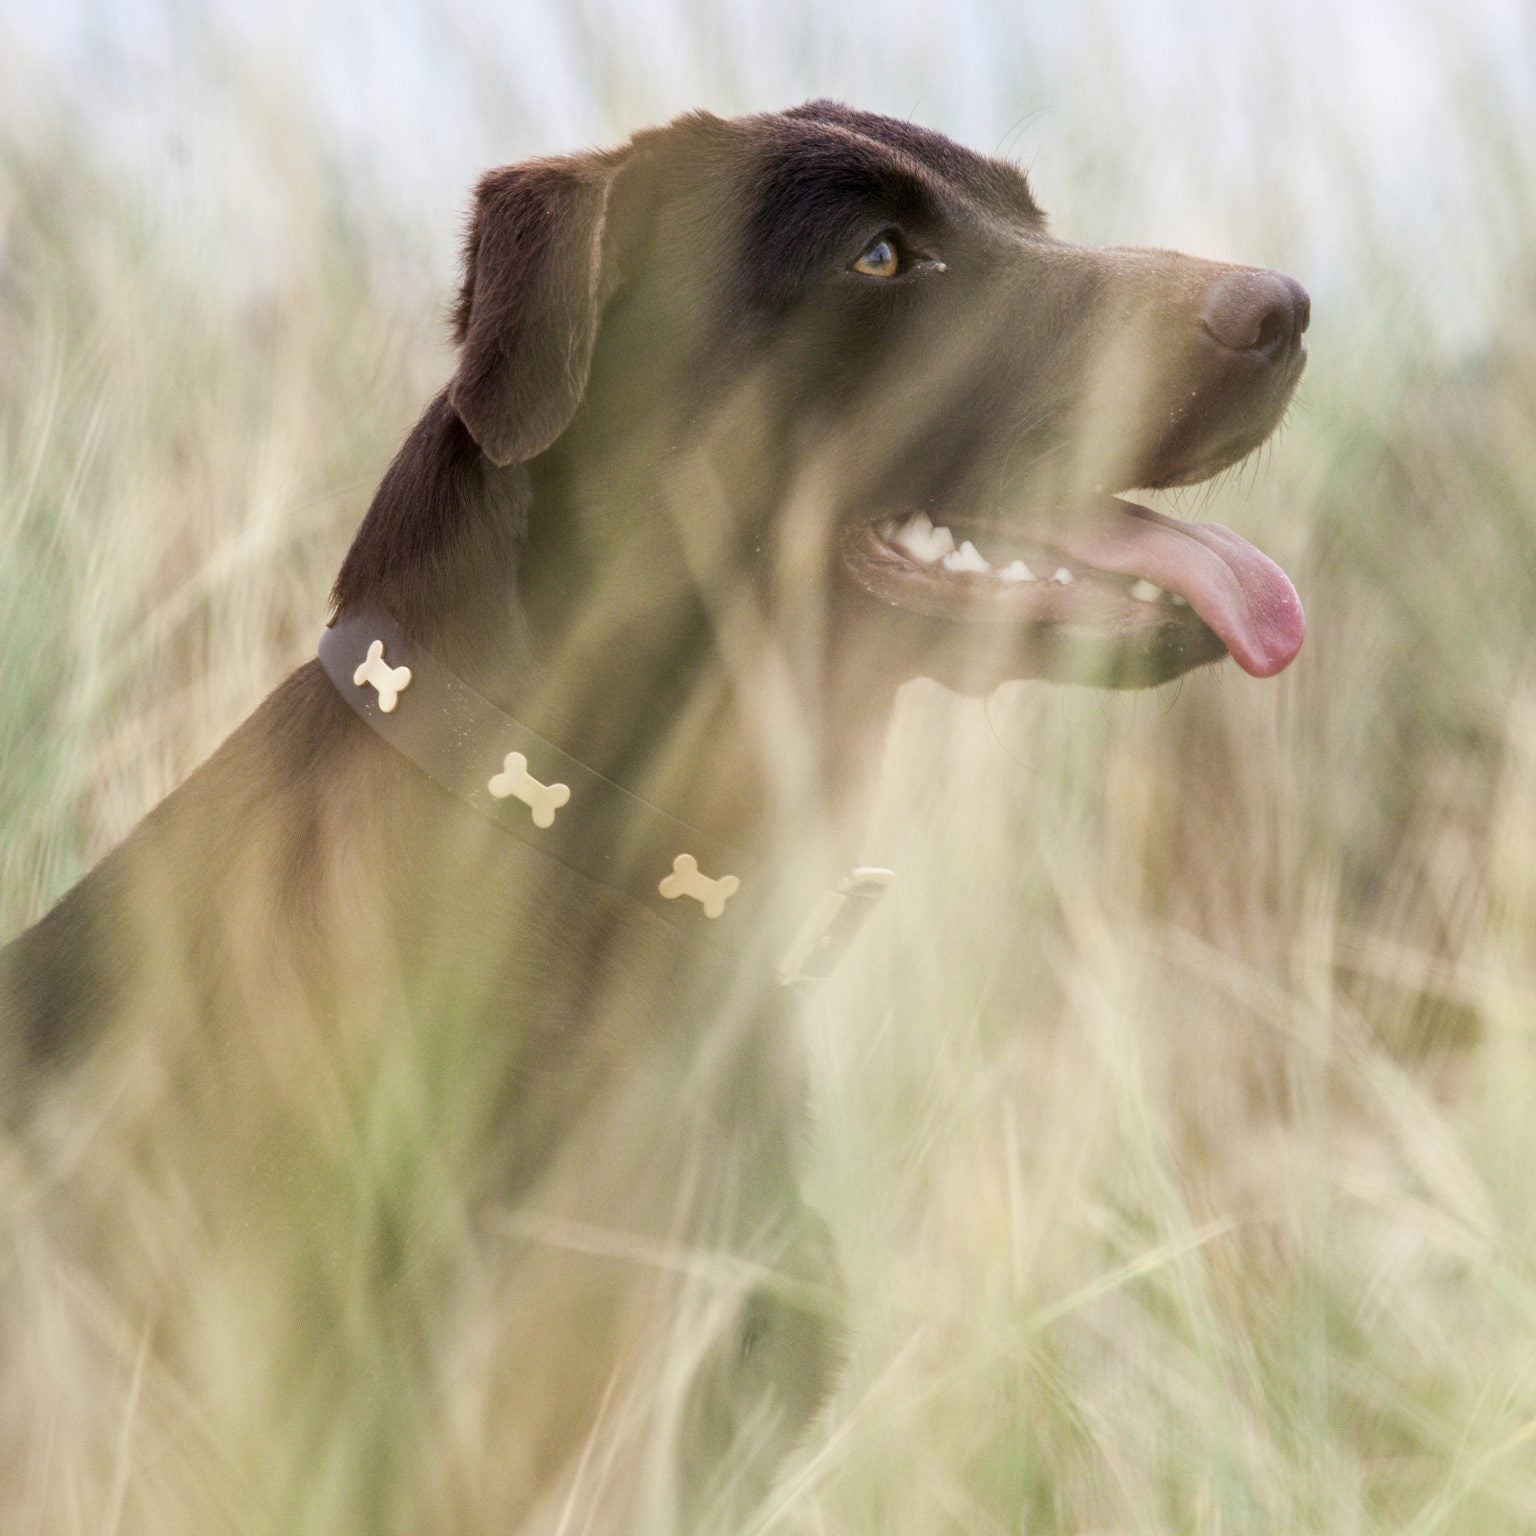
{"x": 1175, "y": 1122}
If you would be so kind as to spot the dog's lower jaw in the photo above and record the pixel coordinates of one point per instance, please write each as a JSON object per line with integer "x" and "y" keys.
{"x": 976, "y": 658}
{"x": 977, "y": 666}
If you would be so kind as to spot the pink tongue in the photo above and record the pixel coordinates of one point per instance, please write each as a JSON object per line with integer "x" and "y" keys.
{"x": 1242, "y": 594}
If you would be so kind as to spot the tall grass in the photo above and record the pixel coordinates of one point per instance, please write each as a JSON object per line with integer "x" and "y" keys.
{"x": 1174, "y": 1123}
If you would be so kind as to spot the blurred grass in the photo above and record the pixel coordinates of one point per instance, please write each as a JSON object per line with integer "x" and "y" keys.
{"x": 1175, "y": 1124}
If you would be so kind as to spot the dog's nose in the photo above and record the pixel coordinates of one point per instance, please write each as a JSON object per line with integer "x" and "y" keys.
{"x": 1260, "y": 312}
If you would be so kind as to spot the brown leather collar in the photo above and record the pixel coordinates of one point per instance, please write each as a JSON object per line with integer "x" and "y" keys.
{"x": 512, "y": 776}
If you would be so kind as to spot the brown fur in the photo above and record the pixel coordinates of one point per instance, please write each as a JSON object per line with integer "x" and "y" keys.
{"x": 426, "y": 1184}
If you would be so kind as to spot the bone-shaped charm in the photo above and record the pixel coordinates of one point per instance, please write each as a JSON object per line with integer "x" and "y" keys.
{"x": 377, "y": 673}
{"x": 542, "y": 799}
{"x": 685, "y": 880}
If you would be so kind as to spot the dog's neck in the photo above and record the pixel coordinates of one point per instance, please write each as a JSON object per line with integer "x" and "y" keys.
{"x": 691, "y": 700}
{"x": 739, "y": 748}
{"x": 672, "y": 683}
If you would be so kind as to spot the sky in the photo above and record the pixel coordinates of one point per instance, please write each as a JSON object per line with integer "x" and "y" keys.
{"x": 1146, "y": 121}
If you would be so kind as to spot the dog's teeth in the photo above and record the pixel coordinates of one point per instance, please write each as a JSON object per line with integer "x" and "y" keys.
{"x": 967, "y": 558}
{"x": 887, "y": 528}
{"x": 1016, "y": 570}
{"x": 1177, "y": 601}
{"x": 1063, "y": 577}
{"x": 917, "y": 528}
{"x": 1145, "y": 592}
{"x": 922, "y": 540}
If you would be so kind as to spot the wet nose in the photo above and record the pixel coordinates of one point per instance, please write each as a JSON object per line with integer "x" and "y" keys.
{"x": 1260, "y": 312}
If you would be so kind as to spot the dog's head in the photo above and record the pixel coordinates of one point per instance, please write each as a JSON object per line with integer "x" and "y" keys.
{"x": 838, "y": 363}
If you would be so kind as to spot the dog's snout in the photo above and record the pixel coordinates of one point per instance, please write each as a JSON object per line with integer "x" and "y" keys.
{"x": 1260, "y": 312}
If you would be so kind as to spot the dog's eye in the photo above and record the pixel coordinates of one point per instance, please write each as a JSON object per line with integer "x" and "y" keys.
{"x": 881, "y": 259}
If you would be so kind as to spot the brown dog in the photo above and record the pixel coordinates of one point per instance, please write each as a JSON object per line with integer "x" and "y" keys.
{"x": 411, "y": 1098}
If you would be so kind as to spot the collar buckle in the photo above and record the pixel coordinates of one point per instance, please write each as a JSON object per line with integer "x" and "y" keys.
{"x": 833, "y": 924}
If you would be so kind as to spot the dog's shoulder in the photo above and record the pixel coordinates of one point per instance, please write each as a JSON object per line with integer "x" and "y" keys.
{"x": 253, "y": 801}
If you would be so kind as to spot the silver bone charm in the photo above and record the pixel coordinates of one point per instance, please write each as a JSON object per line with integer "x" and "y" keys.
{"x": 685, "y": 880}
{"x": 833, "y": 924}
{"x": 542, "y": 799}
{"x": 390, "y": 681}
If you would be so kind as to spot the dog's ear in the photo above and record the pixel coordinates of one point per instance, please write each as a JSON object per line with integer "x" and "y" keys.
{"x": 527, "y": 315}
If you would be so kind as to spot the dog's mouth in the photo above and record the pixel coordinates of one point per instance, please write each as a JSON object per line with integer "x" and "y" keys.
{"x": 1114, "y": 574}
